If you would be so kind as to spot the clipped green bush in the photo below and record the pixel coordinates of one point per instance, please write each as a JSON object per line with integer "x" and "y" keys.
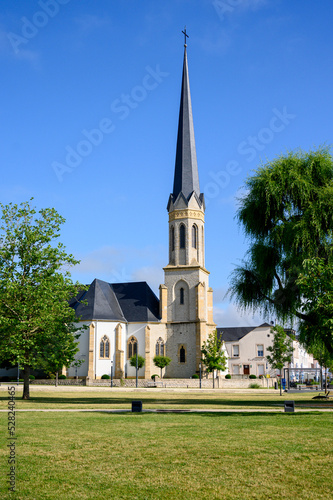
{"x": 105, "y": 376}
{"x": 154, "y": 376}
{"x": 32, "y": 377}
{"x": 228, "y": 376}
{"x": 254, "y": 385}
{"x": 62, "y": 377}
{"x": 195, "y": 375}
{"x": 252, "y": 376}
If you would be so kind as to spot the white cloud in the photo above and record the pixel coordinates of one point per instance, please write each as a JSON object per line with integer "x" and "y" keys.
{"x": 120, "y": 265}
{"x": 153, "y": 275}
{"x": 231, "y": 316}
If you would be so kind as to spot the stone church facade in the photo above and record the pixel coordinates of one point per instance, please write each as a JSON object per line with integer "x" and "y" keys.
{"x": 124, "y": 318}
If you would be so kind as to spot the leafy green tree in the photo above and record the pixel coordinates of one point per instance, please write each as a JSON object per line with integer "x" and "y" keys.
{"x": 36, "y": 322}
{"x": 213, "y": 355}
{"x": 161, "y": 362}
{"x": 316, "y": 286}
{"x": 287, "y": 214}
{"x": 281, "y": 350}
{"x": 141, "y": 361}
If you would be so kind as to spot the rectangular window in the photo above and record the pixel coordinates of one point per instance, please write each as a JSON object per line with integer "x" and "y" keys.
{"x": 235, "y": 351}
{"x": 260, "y": 350}
{"x": 235, "y": 369}
{"x": 261, "y": 370}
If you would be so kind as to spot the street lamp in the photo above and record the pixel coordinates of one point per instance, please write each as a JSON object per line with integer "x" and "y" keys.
{"x": 200, "y": 373}
{"x": 111, "y": 374}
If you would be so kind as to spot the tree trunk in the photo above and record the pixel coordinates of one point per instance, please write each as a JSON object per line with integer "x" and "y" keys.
{"x": 26, "y": 374}
{"x": 280, "y": 381}
{"x": 161, "y": 373}
{"x": 56, "y": 379}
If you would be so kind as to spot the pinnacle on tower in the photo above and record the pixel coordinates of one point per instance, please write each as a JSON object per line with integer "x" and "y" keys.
{"x": 186, "y": 179}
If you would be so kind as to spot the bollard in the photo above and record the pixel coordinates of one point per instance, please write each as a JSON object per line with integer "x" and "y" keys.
{"x": 289, "y": 406}
{"x": 136, "y": 406}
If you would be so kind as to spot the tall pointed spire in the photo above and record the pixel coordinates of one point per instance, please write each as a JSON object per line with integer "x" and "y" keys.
{"x": 186, "y": 180}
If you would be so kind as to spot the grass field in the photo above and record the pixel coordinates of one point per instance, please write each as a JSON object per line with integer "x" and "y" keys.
{"x": 94, "y": 455}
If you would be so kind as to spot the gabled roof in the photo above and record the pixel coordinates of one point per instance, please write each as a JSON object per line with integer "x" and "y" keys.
{"x": 138, "y": 302}
{"x": 235, "y": 333}
{"x": 101, "y": 303}
{"x": 231, "y": 334}
{"x": 186, "y": 179}
{"x": 131, "y": 302}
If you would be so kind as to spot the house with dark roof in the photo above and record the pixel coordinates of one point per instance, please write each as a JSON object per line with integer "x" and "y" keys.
{"x": 247, "y": 348}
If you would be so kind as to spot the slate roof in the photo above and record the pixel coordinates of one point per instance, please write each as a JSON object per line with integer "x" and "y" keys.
{"x": 131, "y": 302}
{"x": 235, "y": 333}
{"x": 186, "y": 179}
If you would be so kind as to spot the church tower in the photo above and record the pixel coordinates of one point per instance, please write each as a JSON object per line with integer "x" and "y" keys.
{"x": 185, "y": 298}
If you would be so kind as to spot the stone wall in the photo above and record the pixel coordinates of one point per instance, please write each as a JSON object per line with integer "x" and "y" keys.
{"x": 190, "y": 383}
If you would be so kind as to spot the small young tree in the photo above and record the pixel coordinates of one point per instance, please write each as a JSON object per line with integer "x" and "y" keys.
{"x": 35, "y": 289}
{"x": 213, "y": 355}
{"x": 281, "y": 350}
{"x": 161, "y": 362}
{"x": 141, "y": 361}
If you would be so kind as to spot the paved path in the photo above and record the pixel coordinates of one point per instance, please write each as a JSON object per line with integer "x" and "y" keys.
{"x": 224, "y": 410}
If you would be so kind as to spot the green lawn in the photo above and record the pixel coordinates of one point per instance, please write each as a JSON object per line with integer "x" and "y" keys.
{"x": 161, "y": 456}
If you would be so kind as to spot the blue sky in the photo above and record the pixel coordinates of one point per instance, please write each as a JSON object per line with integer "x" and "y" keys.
{"x": 89, "y": 110}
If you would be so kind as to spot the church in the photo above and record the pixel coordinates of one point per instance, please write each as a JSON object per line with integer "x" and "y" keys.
{"x": 123, "y": 319}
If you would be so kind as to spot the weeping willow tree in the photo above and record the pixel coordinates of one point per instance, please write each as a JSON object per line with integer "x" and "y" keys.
{"x": 287, "y": 215}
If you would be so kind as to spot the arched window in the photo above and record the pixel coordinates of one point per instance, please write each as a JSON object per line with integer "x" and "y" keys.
{"x": 159, "y": 349}
{"x": 194, "y": 236}
{"x": 182, "y": 236}
{"x": 104, "y": 347}
{"x": 132, "y": 346}
{"x": 172, "y": 239}
{"x": 182, "y": 355}
{"x": 181, "y": 296}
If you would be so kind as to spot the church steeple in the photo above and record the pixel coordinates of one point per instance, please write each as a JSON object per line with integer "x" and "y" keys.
{"x": 186, "y": 300}
{"x": 186, "y": 178}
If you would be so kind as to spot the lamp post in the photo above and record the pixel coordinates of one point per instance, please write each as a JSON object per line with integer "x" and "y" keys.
{"x": 111, "y": 374}
{"x": 136, "y": 367}
{"x": 200, "y": 373}
{"x": 18, "y": 373}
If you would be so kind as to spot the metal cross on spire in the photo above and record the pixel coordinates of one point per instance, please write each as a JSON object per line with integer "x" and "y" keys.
{"x": 185, "y": 36}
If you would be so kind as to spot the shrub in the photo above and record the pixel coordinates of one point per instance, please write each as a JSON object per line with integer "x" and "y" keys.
{"x": 62, "y": 377}
{"x": 32, "y": 377}
{"x": 154, "y": 376}
{"x": 261, "y": 377}
{"x": 252, "y": 376}
{"x": 105, "y": 376}
{"x": 228, "y": 376}
{"x": 195, "y": 375}
{"x": 254, "y": 385}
